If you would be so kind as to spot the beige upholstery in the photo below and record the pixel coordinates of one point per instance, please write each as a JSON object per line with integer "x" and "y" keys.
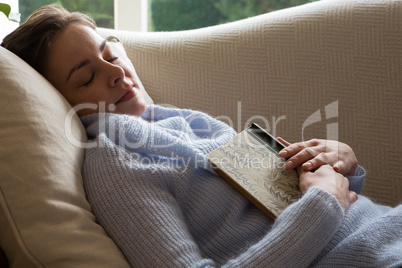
{"x": 45, "y": 219}
{"x": 330, "y": 69}
{"x": 332, "y": 64}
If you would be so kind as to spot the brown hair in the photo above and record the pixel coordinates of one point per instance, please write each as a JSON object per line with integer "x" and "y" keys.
{"x": 33, "y": 38}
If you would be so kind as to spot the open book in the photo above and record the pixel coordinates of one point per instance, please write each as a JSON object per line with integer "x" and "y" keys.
{"x": 250, "y": 162}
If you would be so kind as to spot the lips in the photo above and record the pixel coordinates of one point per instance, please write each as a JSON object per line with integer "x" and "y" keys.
{"x": 126, "y": 95}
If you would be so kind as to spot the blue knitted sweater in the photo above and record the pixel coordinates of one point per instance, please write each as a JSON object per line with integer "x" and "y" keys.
{"x": 153, "y": 191}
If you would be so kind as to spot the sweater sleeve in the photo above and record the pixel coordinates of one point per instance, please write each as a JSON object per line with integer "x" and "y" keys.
{"x": 299, "y": 234}
{"x": 142, "y": 216}
{"x": 356, "y": 181}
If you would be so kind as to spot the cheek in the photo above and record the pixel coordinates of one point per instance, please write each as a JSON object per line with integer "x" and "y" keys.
{"x": 130, "y": 72}
{"x": 83, "y": 96}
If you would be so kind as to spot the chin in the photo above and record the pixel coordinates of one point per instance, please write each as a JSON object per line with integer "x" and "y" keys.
{"x": 137, "y": 110}
{"x": 135, "y": 107}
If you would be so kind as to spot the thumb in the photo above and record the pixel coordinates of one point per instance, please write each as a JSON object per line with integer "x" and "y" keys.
{"x": 339, "y": 167}
{"x": 352, "y": 197}
{"x": 348, "y": 201}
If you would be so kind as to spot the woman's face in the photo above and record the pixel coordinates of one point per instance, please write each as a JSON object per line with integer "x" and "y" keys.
{"x": 83, "y": 67}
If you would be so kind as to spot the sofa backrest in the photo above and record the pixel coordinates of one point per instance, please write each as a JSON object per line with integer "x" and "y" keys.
{"x": 329, "y": 69}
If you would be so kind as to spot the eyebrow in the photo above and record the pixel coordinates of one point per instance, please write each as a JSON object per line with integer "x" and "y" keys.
{"x": 85, "y": 62}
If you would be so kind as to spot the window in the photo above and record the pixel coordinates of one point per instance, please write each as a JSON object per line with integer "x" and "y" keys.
{"x": 163, "y": 15}
{"x": 102, "y": 11}
{"x": 172, "y": 15}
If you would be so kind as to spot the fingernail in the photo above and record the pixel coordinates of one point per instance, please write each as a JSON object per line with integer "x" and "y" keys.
{"x": 307, "y": 165}
{"x": 283, "y": 153}
{"x": 336, "y": 164}
{"x": 337, "y": 167}
{"x": 288, "y": 165}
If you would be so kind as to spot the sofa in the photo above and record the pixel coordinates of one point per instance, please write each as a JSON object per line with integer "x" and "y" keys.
{"x": 331, "y": 69}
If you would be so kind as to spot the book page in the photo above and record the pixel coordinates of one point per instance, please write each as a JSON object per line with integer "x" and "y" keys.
{"x": 258, "y": 170}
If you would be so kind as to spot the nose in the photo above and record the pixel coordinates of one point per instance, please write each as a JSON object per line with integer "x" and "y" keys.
{"x": 115, "y": 75}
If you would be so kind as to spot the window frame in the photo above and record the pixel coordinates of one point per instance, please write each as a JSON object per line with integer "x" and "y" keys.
{"x": 131, "y": 15}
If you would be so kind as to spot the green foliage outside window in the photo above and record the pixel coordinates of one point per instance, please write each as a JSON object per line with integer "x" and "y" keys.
{"x": 102, "y": 11}
{"x": 171, "y": 15}
{"x": 168, "y": 15}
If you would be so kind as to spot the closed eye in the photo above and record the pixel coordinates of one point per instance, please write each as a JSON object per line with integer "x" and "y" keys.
{"x": 89, "y": 81}
{"x": 112, "y": 60}
{"x": 93, "y": 74}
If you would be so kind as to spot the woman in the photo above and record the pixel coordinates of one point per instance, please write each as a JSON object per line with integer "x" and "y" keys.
{"x": 153, "y": 191}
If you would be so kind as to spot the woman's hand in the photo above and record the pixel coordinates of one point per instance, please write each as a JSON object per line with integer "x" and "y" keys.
{"x": 325, "y": 177}
{"x": 312, "y": 154}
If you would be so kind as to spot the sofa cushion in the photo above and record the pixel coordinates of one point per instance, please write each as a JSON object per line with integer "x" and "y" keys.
{"x": 45, "y": 218}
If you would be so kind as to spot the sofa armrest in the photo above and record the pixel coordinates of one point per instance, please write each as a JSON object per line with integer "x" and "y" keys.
{"x": 329, "y": 69}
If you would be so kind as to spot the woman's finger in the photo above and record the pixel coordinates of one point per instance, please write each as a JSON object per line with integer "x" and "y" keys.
{"x": 322, "y": 159}
{"x": 301, "y": 157}
{"x": 295, "y": 148}
{"x": 339, "y": 167}
{"x": 285, "y": 142}
{"x": 353, "y": 197}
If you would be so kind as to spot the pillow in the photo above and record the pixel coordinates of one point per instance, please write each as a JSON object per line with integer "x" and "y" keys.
{"x": 45, "y": 218}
